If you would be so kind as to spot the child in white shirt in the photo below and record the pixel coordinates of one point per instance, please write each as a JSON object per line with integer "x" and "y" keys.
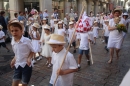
{"x": 95, "y": 31}
{"x": 70, "y": 33}
{"x": 61, "y": 30}
{"x": 106, "y": 33}
{"x": 2, "y": 40}
{"x": 23, "y": 50}
{"x": 84, "y": 47}
{"x": 66, "y": 73}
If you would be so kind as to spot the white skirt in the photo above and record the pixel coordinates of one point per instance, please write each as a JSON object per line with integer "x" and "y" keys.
{"x": 46, "y": 51}
{"x": 36, "y": 46}
{"x": 114, "y": 42}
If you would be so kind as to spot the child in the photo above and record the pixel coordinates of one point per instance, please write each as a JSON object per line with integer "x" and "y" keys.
{"x": 95, "y": 31}
{"x": 70, "y": 33}
{"x": 2, "y": 40}
{"x": 55, "y": 28}
{"x": 23, "y": 50}
{"x": 106, "y": 33}
{"x": 61, "y": 30}
{"x": 35, "y": 35}
{"x": 52, "y": 22}
{"x": 46, "y": 49}
{"x": 66, "y": 74}
{"x": 84, "y": 47}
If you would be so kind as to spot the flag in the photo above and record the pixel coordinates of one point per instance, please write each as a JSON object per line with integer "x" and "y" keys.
{"x": 85, "y": 24}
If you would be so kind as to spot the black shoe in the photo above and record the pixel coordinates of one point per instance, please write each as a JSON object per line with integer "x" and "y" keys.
{"x": 88, "y": 62}
{"x": 8, "y": 51}
{"x": 74, "y": 51}
{"x": 79, "y": 67}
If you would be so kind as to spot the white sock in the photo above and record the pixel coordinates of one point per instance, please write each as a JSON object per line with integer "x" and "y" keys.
{"x": 78, "y": 65}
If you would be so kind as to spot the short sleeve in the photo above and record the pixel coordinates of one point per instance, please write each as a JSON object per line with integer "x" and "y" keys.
{"x": 72, "y": 62}
{"x": 29, "y": 44}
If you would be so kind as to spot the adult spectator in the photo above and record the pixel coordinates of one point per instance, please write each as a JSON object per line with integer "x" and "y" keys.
{"x": 21, "y": 17}
{"x": 45, "y": 15}
{"x": 3, "y": 22}
{"x": 56, "y": 15}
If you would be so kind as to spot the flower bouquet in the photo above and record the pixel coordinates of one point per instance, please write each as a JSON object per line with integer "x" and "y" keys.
{"x": 121, "y": 27}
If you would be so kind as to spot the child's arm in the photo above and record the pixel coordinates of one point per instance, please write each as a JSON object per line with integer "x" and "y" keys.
{"x": 12, "y": 62}
{"x": 64, "y": 72}
{"x": 38, "y": 36}
{"x": 30, "y": 58}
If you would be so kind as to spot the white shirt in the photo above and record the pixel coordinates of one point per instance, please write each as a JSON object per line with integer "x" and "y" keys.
{"x": 22, "y": 50}
{"x": 45, "y": 15}
{"x": 84, "y": 43}
{"x": 69, "y": 63}
{"x": 106, "y": 33}
{"x": 61, "y": 32}
{"x": 2, "y": 34}
{"x": 115, "y": 33}
{"x": 65, "y": 21}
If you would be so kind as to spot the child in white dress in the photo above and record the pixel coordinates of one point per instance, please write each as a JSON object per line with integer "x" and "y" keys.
{"x": 46, "y": 49}
{"x": 55, "y": 28}
{"x": 70, "y": 33}
{"x": 95, "y": 31}
{"x": 61, "y": 30}
{"x": 35, "y": 35}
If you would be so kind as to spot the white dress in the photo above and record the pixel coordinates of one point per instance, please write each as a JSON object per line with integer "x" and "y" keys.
{"x": 95, "y": 32}
{"x": 56, "y": 29}
{"x": 35, "y": 43}
{"x": 46, "y": 48}
{"x": 115, "y": 38}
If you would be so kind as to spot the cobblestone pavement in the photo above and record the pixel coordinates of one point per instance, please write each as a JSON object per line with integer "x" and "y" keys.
{"x": 99, "y": 74}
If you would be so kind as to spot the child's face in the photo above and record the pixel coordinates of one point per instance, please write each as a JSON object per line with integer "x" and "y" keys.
{"x": 44, "y": 21}
{"x": 46, "y": 30}
{"x": 56, "y": 48}
{"x": 60, "y": 25}
{"x": 96, "y": 24}
{"x": 16, "y": 31}
{"x": 55, "y": 22}
{"x": 35, "y": 29}
{"x": 71, "y": 25}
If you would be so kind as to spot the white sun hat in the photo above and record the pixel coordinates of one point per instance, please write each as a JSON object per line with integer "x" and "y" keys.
{"x": 55, "y": 19}
{"x": 60, "y": 22}
{"x": 95, "y": 22}
{"x": 56, "y": 39}
{"x": 1, "y": 27}
{"x": 44, "y": 19}
{"x": 36, "y": 25}
{"x": 47, "y": 27}
{"x": 125, "y": 14}
{"x": 71, "y": 23}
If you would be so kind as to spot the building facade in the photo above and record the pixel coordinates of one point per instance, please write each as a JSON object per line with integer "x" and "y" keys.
{"x": 64, "y": 6}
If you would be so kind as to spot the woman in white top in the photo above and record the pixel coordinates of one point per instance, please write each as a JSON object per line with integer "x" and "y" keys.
{"x": 115, "y": 37}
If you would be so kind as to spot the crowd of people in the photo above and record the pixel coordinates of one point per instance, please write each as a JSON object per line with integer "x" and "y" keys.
{"x": 35, "y": 33}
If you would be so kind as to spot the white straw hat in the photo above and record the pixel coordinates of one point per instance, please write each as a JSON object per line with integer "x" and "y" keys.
{"x": 44, "y": 19}
{"x": 56, "y": 39}
{"x": 36, "y": 25}
{"x": 95, "y": 22}
{"x": 15, "y": 21}
{"x": 125, "y": 14}
{"x": 106, "y": 20}
{"x": 60, "y": 22}
{"x": 1, "y": 27}
{"x": 71, "y": 23}
{"x": 47, "y": 27}
{"x": 72, "y": 18}
{"x": 55, "y": 19}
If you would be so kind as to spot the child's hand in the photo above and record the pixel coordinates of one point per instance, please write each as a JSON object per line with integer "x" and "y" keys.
{"x": 29, "y": 61}
{"x": 12, "y": 63}
{"x": 60, "y": 72}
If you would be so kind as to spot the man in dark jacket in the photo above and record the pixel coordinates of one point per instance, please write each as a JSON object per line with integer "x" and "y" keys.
{"x": 2, "y": 22}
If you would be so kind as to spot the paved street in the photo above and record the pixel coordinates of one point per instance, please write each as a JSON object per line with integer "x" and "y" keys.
{"x": 99, "y": 74}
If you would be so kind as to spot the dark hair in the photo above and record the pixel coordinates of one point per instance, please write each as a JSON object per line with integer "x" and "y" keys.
{"x": 16, "y": 25}
{"x": 117, "y": 11}
{"x": 59, "y": 24}
{"x": 20, "y": 12}
{"x": 2, "y": 12}
{"x": 126, "y": 16}
{"x": 15, "y": 14}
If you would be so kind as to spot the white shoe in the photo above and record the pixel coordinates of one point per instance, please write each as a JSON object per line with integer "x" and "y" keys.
{"x": 49, "y": 65}
{"x": 46, "y": 63}
{"x": 40, "y": 57}
{"x": 33, "y": 61}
